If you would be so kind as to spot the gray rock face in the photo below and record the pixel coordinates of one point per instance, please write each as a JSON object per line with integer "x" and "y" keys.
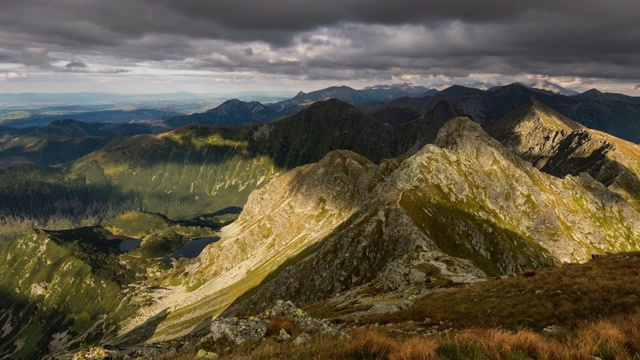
{"x": 301, "y": 339}
{"x": 239, "y": 330}
{"x": 255, "y": 327}
{"x": 203, "y": 354}
{"x": 283, "y": 336}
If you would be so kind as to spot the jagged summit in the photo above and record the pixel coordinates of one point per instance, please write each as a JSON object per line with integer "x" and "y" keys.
{"x": 538, "y": 111}
{"x": 461, "y": 131}
{"x": 593, "y": 92}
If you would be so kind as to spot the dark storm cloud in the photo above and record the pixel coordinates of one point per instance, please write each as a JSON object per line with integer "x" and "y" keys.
{"x": 75, "y": 63}
{"x": 79, "y": 66}
{"x": 590, "y": 38}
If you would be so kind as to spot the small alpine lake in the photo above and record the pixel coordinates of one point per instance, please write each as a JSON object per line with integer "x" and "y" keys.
{"x": 192, "y": 249}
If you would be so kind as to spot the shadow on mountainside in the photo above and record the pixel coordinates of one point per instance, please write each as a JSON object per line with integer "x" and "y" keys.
{"x": 198, "y": 169}
{"x": 142, "y": 332}
{"x": 23, "y": 335}
{"x": 45, "y": 201}
{"x": 49, "y": 150}
{"x": 299, "y": 139}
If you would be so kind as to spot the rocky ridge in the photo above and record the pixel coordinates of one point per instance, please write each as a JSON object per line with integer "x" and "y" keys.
{"x": 463, "y": 207}
{"x": 458, "y": 210}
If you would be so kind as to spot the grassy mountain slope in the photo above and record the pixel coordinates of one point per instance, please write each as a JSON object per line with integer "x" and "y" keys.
{"x": 65, "y": 288}
{"x": 48, "y": 150}
{"x": 75, "y": 129}
{"x": 103, "y": 116}
{"x": 52, "y": 299}
{"x": 63, "y": 141}
{"x": 8, "y": 133}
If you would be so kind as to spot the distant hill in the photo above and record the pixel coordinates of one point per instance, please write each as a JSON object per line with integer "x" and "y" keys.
{"x": 231, "y": 112}
{"x": 7, "y": 133}
{"x": 391, "y": 92}
{"x": 104, "y": 116}
{"x": 237, "y": 112}
{"x": 63, "y": 140}
{"x": 74, "y": 129}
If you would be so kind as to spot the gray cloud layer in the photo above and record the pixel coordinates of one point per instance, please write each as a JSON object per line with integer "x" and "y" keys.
{"x": 333, "y": 39}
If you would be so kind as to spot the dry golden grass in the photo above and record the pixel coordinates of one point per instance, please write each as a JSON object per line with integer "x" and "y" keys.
{"x": 368, "y": 344}
{"x": 416, "y": 348}
{"x": 596, "y": 304}
{"x": 500, "y": 344}
{"x": 614, "y": 339}
{"x": 606, "y": 339}
{"x": 567, "y": 296}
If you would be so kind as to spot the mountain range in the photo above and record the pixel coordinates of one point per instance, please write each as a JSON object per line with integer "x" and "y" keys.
{"x": 369, "y": 202}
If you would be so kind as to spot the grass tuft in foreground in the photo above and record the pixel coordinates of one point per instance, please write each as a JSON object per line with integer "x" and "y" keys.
{"x": 616, "y": 339}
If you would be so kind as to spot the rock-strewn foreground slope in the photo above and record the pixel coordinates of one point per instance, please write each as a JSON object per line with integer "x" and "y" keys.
{"x": 458, "y": 210}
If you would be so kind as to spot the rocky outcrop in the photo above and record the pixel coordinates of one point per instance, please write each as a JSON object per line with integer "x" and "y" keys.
{"x": 239, "y": 330}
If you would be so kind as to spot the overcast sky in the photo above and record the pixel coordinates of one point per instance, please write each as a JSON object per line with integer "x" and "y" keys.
{"x": 156, "y": 46}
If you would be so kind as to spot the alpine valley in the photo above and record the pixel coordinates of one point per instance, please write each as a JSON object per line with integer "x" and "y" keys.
{"x": 232, "y": 232}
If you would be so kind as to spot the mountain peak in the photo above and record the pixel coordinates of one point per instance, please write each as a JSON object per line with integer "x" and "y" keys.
{"x": 454, "y": 90}
{"x": 510, "y": 88}
{"x": 546, "y": 116}
{"x": 593, "y": 91}
{"x": 332, "y": 103}
{"x": 458, "y": 131}
{"x": 594, "y": 94}
{"x": 238, "y": 102}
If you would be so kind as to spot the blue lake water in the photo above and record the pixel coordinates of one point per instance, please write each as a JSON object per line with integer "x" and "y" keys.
{"x": 129, "y": 244}
{"x": 193, "y": 248}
